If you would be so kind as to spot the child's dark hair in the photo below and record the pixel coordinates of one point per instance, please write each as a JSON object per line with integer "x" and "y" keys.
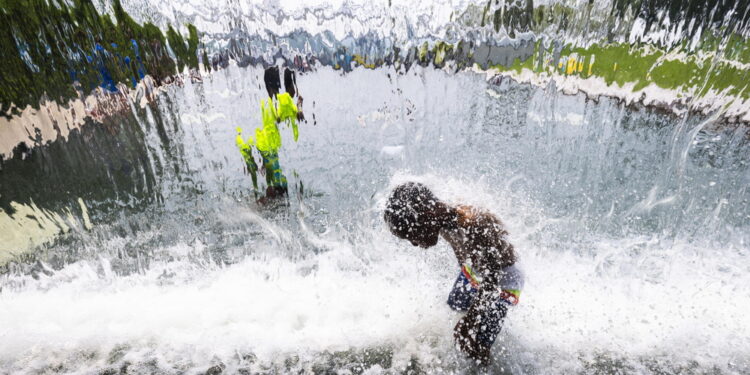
{"x": 273, "y": 81}
{"x": 407, "y": 204}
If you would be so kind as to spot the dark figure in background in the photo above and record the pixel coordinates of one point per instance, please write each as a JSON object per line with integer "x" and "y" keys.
{"x": 290, "y": 82}
{"x": 489, "y": 281}
{"x": 272, "y": 81}
{"x": 279, "y": 107}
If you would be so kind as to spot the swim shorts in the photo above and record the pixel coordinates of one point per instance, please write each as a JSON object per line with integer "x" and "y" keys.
{"x": 466, "y": 289}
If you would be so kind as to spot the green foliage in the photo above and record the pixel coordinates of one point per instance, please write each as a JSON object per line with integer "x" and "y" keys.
{"x": 642, "y": 65}
{"x": 47, "y": 46}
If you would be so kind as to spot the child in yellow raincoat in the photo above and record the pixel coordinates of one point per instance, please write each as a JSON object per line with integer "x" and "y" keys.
{"x": 279, "y": 107}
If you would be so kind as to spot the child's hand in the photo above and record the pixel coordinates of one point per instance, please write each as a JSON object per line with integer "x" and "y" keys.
{"x": 465, "y": 334}
{"x": 300, "y": 115}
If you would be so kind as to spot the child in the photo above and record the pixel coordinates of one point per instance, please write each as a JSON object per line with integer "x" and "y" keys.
{"x": 489, "y": 280}
{"x": 279, "y": 107}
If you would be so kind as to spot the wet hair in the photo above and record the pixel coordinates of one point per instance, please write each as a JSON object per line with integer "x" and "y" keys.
{"x": 272, "y": 80}
{"x": 290, "y": 82}
{"x": 407, "y": 207}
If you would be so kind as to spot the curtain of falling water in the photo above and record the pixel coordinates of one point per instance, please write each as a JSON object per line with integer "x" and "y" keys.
{"x": 616, "y": 234}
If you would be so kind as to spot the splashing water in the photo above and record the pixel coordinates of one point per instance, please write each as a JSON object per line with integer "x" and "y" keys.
{"x": 631, "y": 265}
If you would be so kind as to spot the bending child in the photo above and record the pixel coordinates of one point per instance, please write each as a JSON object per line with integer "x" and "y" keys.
{"x": 489, "y": 281}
